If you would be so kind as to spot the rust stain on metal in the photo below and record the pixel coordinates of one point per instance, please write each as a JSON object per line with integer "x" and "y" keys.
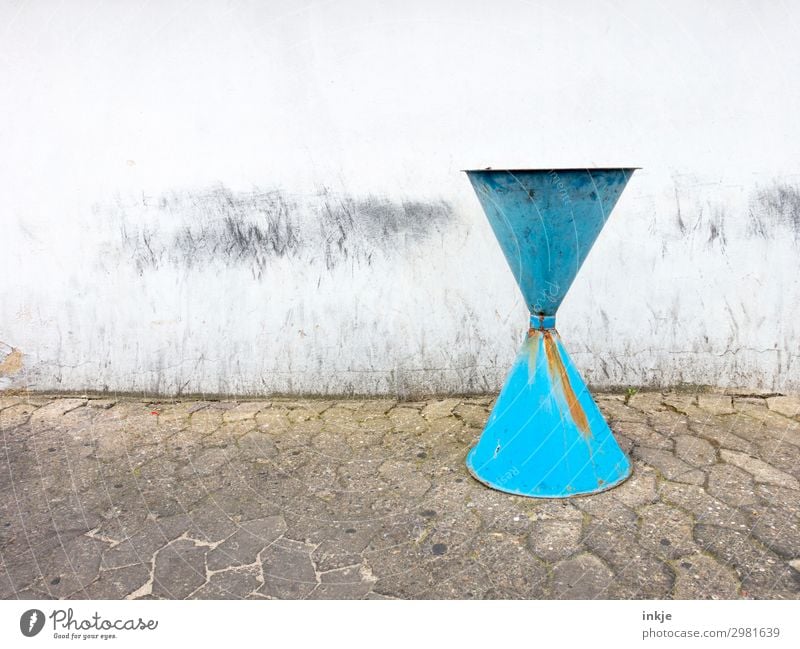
{"x": 556, "y": 368}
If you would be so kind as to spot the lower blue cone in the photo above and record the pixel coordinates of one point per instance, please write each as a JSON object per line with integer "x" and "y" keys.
{"x": 546, "y": 437}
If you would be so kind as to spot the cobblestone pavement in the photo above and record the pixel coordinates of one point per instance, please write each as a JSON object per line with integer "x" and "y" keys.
{"x": 122, "y": 498}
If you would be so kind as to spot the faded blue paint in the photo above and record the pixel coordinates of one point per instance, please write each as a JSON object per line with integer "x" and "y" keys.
{"x": 546, "y": 437}
{"x": 546, "y": 221}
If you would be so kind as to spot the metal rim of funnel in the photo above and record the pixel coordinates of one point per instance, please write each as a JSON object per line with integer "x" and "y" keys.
{"x": 577, "y": 494}
{"x": 555, "y": 169}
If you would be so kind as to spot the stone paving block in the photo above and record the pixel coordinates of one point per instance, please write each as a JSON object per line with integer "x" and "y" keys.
{"x": 27, "y": 565}
{"x": 746, "y": 392}
{"x": 680, "y": 401}
{"x": 553, "y": 540}
{"x": 414, "y": 581}
{"x": 372, "y": 427}
{"x": 103, "y": 404}
{"x": 8, "y": 401}
{"x": 731, "y": 485}
{"x": 408, "y": 419}
{"x": 642, "y": 435}
{"x": 704, "y": 507}
{"x": 330, "y": 555}
{"x": 439, "y": 409}
{"x": 647, "y": 401}
{"x": 747, "y": 404}
{"x": 670, "y": 466}
{"x": 760, "y": 470}
{"x": 256, "y": 446}
{"x": 666, "y": 532}
{"x": 472, "y": 415}
{"x": 786, "y": 406}
{"x": 762, "y": 573}
{"x": 639, "y": 489}
{"x": 467, "y": 580}
{"x": 777, "y": 426}
{"x": 205, "y": 462}
{"x": 179, "y": 569}
{"x": 716, "y": 404}
{"x": 14, "y": 416}
{"x": 237, "y": 583}
{"x": 582, "y": 577}
{"x": 451, "y": 426}
{"x": 243, "y": 546}
{"x": 366, "y": 441}
{"x": 228, "y": 434}
{"x": 698, "y": 418}
{"x": 353, "y": 405}
{"x": 340, "y": 420}
{"x": 303, "y": 414}
{"x": 273, "y": 419}
{"x": 638, "y": 574}
{"x": 205, "y": 524}
{"x": 301, "y": 430}
{"x": 616, "y": 411}
{"x": 244, "y": 411}
{"x": 138, "y": 548}
{"x": 340, "y": 591}
{"x": 353, "y": 574}
{"x": 747, "y": 428}
{"x": 8, "y": 590}
{"x": 288, "y": 570}
{"x": 70, "y": 567}
{"x": 624, "y": 442}
{"x": 701, "y": 577}
{"x": 53, "y": 411}
{"x": 606, "y": 508}
{"x": 776, "y": 528}
{"x": 719, "y": 435}
{"x": 332, "y": 444}
{"x": 118, "y": 583}
{"x": 510, "y": 566}
{"x": 694, "y": 450}
{"x": 781, "y": 455}
{"x": 375, "y": 407}
{"x": 206, "y": 421}
{"x": 668, "y": 422}
{"x": 516, "y": 521}
{"x": 224, "y": 404}
{"x": 781, "y": 498}
{"x": 303, "y": 407}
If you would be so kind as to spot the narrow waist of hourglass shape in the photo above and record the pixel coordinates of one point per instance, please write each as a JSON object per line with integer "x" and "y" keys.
{"x": 541, "y": 321}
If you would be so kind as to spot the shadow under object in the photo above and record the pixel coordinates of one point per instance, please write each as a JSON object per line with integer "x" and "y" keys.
{"x": 545, "y": 436}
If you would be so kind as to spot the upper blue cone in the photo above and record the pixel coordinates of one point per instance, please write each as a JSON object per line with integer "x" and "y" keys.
{"x": 546, "y": 221}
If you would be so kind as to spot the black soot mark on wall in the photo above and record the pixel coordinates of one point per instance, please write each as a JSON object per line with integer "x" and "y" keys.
{"x": 253, "y": 228}
{"x": 774, "y": 210}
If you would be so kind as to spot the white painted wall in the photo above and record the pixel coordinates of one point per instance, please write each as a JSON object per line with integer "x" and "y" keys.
{"x": 126, "y": 127}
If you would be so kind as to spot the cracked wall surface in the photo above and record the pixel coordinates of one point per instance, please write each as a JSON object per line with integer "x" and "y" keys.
{"x": 293, "y": 220}
{"x": 380, "y": 297}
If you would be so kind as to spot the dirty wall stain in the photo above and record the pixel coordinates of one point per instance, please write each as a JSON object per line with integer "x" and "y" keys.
{"x": 252, "y": 228}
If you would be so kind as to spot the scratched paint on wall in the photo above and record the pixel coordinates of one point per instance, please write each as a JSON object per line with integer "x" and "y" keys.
{"x": 266, "y": 291}
{"x": 270, "y": 200}
{"x": 248, "y": 229}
